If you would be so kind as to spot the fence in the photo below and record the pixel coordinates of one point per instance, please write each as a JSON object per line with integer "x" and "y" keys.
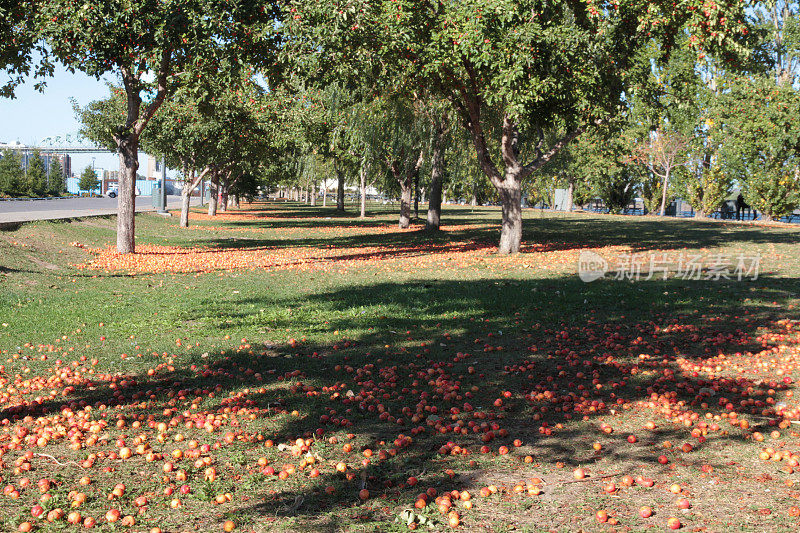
{"x": 145, "y": 186}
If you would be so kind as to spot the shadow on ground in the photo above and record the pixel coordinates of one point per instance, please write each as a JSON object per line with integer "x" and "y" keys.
{"x": 426, "y": 343}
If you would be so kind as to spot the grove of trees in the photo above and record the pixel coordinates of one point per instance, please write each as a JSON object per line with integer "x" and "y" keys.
{"x": 35, "y": 179}
{"x": 480, "y": 100}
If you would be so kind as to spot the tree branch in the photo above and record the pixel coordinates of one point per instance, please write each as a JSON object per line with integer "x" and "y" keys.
{"x": 161, "y": 91}
{"x": 199, "y": 178}
{"x": 472, "y": 108}
{"x": 550, "y": 154}
{"x": 420, "y": 161}
{"x": 133, "y": 101}
{"x": 509, "y": 145}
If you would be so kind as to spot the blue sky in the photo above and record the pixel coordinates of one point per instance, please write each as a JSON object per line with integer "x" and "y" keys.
{"x": 32, "y": 115}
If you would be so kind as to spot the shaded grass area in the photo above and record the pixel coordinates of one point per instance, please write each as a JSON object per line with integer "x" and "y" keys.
{"x": 281, "y": 354}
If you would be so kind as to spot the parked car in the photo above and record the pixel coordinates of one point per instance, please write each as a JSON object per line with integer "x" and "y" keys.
{"x": 113, "y": 191}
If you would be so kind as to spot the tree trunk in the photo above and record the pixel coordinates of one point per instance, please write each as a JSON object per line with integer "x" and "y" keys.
{"x": 405, "y": 204}
{"x": 235, "y": 201}
{"x": 325, "y": 193}
{"x": 664, "y": 193}
{"x": 186, "y": 196}
{"x": 435, "y": 194}
{"x": 570, "y": 194}
{"x": 313, "y": 194}
{"x": 416, "y": 196}
{"x": 406, "y": 178}
{"x": 362, "y": 176}
{"x": 511, "y": 232}
{"x": 213, "y": 194}
{"x": 223, "y": 197}
{"x": 126, "y": 199}
{"x": 339, "y": 188}
{"x": 128, "y": 147}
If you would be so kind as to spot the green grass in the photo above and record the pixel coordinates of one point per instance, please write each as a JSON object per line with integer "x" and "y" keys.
{"x": 395, "y": 317}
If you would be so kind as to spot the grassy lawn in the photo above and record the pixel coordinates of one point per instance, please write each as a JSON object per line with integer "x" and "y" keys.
{"x": 288, "y": 368}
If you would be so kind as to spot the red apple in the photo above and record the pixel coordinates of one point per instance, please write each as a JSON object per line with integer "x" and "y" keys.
{"x": 673, "y": 523}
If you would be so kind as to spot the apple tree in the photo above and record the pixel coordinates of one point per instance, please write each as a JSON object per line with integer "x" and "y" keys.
{"x": 758, "y": 120}
{"x": 154, "y": 46}
{"x": 515, "y": 68}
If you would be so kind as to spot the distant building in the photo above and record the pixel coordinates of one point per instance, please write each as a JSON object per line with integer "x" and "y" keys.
{"x": 64, "y": 159}
{"x": 16, "y": 145}
{"x": 109, "y": 178}
{"x": 26, "y": 153}
{"x": 154, "y": 170}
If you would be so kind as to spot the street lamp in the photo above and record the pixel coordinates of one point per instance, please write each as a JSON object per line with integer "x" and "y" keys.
{"x": 162, "y": 200}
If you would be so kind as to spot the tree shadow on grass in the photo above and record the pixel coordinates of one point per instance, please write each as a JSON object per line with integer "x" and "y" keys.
{"x": 293, "y": 215}
{"x": 541, "y": 235}
{"x": 652, "y": 233}
{"x": 408, "y": 349}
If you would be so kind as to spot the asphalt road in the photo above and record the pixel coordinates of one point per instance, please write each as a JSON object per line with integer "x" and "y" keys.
{"x": 30, "y": 210}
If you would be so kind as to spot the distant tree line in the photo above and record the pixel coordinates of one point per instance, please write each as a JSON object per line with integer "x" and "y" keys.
{"x": 36, "y": 179}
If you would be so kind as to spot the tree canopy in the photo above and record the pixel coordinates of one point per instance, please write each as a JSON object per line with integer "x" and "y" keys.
{"x": 513, "y": 69}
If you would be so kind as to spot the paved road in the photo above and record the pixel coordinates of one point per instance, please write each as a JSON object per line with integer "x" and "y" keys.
{"x": 29, "y": 210}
